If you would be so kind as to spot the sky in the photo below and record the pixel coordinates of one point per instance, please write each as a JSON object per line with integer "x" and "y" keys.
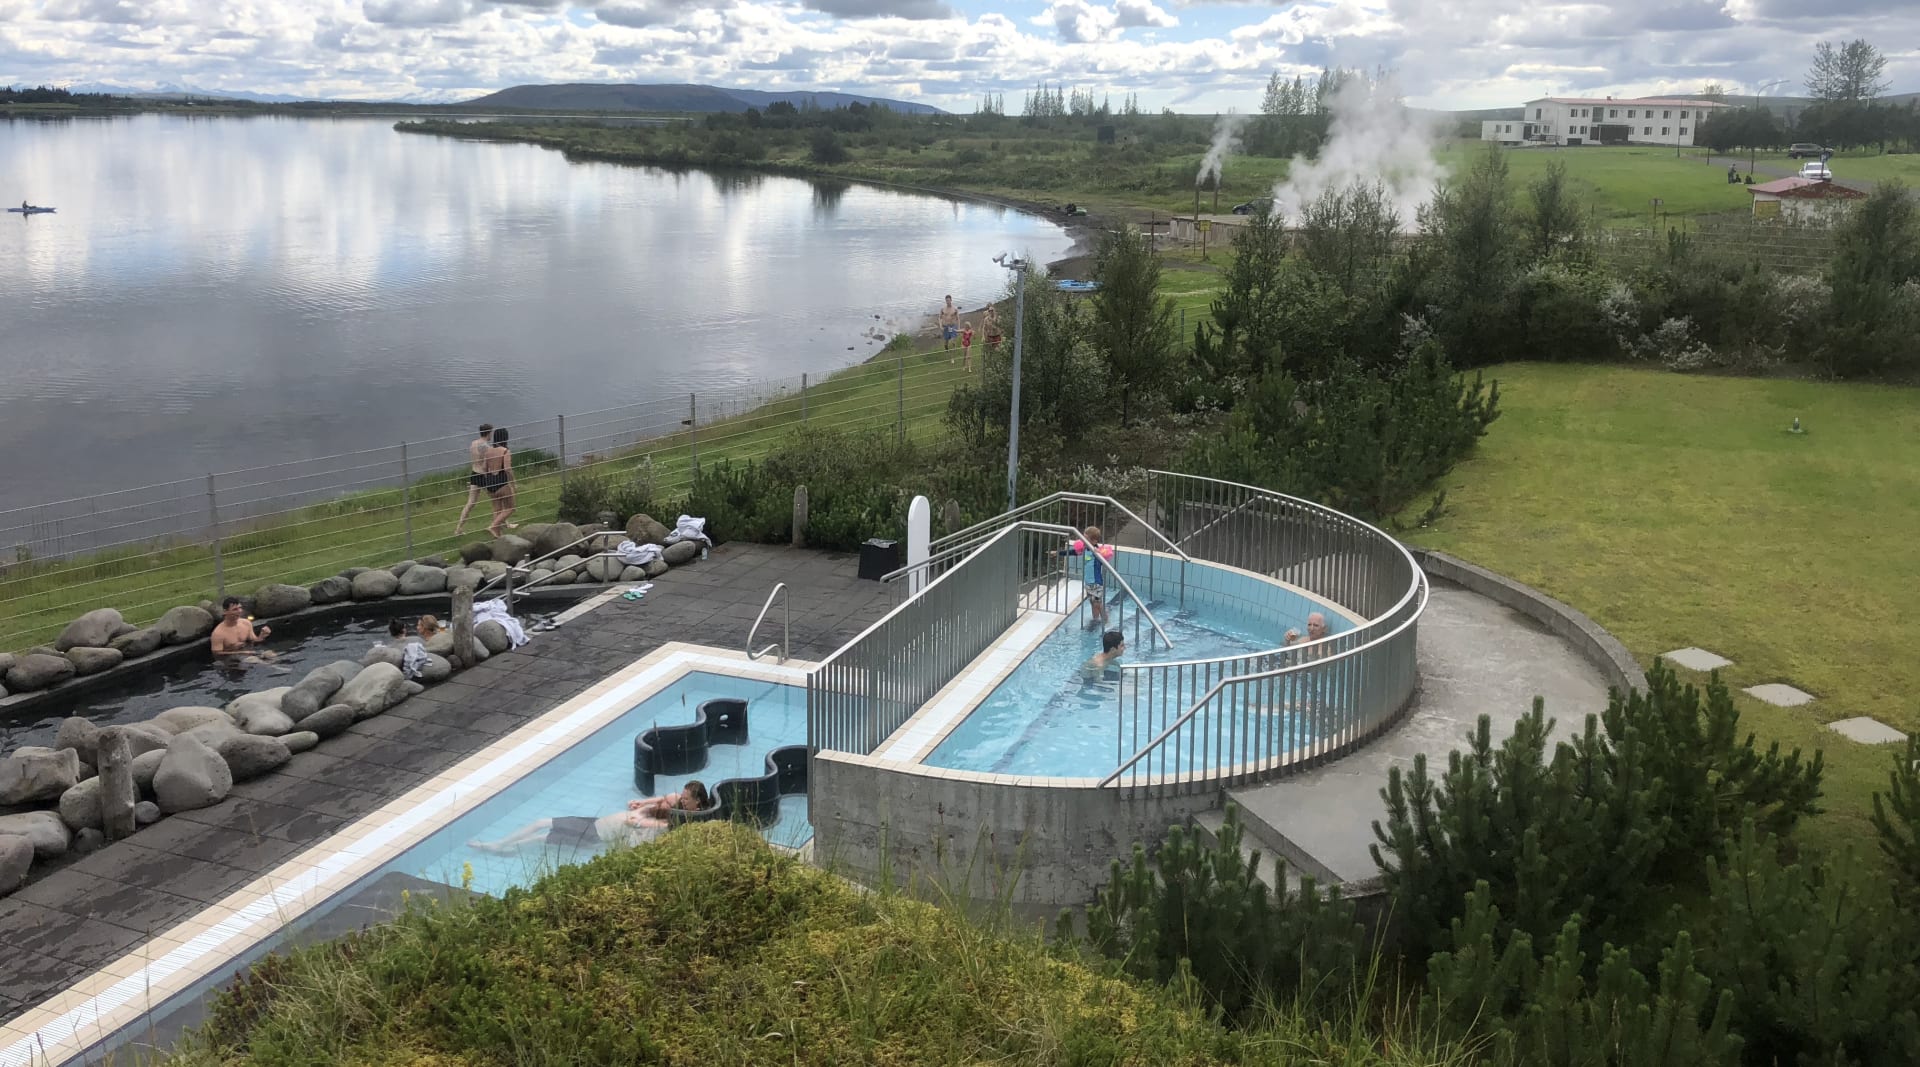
{"x": 1189, "y": 55}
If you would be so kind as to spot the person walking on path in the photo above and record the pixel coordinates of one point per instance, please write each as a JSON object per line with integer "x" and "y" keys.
{"x": 990, "y": 325}
{"x": 949, "y": 325}
{"x": 498, "y": 475}
{"x": 476, "y": 472}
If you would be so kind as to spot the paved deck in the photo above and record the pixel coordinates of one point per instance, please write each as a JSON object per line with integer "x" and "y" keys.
{"x": 1475, "y": 657}
{"x": 77, "y": 917}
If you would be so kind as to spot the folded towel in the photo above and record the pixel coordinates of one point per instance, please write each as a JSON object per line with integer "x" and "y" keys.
{"x": 637, "y": 555}
{"x": 690, "y": 529}
{"x": 495, "y": 610}
{"x": 413, "y": 660}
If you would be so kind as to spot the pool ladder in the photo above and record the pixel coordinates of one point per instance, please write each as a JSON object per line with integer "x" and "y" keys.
{"x": 786, "y": 624}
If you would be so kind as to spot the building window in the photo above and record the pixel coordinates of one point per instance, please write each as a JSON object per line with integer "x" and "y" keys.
{"x": 1646, "y": 130}
{"x": 1613, "y": 112}
{"x": 1683, "y": 114}
{"x": 1667, "y": 114}
{"x": 1683, "y": 131}
{"x": 1536, "y": 112}
{"x": 1629, "y": 112}
{"x": 1663, "y": 131}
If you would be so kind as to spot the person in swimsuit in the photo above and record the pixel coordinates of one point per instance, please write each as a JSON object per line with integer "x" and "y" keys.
{"x": 1316, "y": 631}
{"x": 966, "y": 346}
{"x": 497, "y": 479}
{"x": 1098, "y": 556}
{"x": 949, "y": 324}
{"x": 1112, "y": 644}
{"x": 236, "y": 634}
{"x": 476, "y": 472}
{"x": 990, "y": 325}
{"x": 428, "y": 627}
{"x": 641, "y": 821}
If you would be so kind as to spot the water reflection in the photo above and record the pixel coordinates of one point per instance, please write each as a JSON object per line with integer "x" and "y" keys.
{"x": 223, "y": 292}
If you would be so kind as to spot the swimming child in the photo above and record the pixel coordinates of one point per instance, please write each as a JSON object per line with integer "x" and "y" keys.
{"x": 1098, "y": 556}
{"x": 966, "y": 346}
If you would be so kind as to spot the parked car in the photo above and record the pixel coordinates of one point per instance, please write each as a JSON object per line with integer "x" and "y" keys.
{"x": 1805, "y": 150}
{"x": 1254, "y": 207}
{"x": 1816, "y": 170}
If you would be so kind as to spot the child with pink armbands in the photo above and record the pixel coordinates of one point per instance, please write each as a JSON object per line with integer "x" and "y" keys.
{"x": 1098, "y": 556}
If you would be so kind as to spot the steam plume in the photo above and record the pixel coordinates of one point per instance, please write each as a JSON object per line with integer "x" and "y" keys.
{"x": 1226, "y": 138}
{"x": 1371, "y": 138}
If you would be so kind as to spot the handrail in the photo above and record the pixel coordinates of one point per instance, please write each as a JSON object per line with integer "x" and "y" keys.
{"x": 1050, "y": 527}
{"x": 1220, "y": 686}
{"x": 522, "y": 568}
{"x": 786, "y": 624}
{"x": 528, "y": 563}
{"x": 981, "y": 532}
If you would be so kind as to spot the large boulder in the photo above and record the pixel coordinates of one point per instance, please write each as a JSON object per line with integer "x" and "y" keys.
{"x": 374, "y": 585}
{"x": 248, "y": 757}
{"x": 145, "y": 737}
{"x": 213, "y": 733}
{"x": 393, "y": 654}
{"x": 36, "y": 670}
{"x": 191, "y": 776}
{"x": 554, "y": 538}
{"x": 89, "y": 660}
{"x": 494, "y": 636}
{"x": 401, "y": 568}
{"x": 633, "y": 574}
{"x": 33, "y": 775}
{"x": 264, "y": 721}
{"x": 354, "y": 572}
{"x": 421, "y": 579}
{"x": 78, "y": 734}
{"x": 330, "y": 721}
{"x": 16, "y": 858}
{"x": 145, "y": 766}
{"x": 180, "y": 720}
{"x": 80, "y": 805}
{"x": 605, "y": 568}
{"x": 463, "y": 578}
{"x": 138, "y": 643}
{"x": 92, "y": 630}
{"x": 300, "y": 741}
{"x": 491, "y": 570}
{"x": 658, "y": 567}
{"x": 331, "y": 590}
{"x": 49, "y": 835}
{"x": 434, "y": 561}
{"x": 509, "y": 549}
{"x": 6, "y": 662}
{"x": 185, "y": 624}
{"x": 643, "y": 530}
{"x": 265, "y": 698}
{"x": 374, "y": 690}
{"x": 569, "y": 563}
{"x": 146, "y": 813}
{"x": 313, "y": 691}
{"x": 563, "y": 578}
{"x": 275, "y": 600}
{"x": 475, "y": 552}
{"x": 438, "y": 669}
{"x": 681, "y": 552}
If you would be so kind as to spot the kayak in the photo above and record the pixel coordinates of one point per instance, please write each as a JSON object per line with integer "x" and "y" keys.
{"x": 31, "y": 210}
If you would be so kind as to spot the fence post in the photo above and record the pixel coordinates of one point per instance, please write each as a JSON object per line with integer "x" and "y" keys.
{"x": 213, "y": 530}
{"x": 563, "y": 448}
{"x": 901, "y": 419}
{"x": 803, "y": 400}
{"x": 406, "y": 498}
{"x": 693, "y": 431}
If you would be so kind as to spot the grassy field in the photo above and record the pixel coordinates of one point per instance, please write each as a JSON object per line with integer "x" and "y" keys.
{"x": 1872, "y": 167}
{"x": 706, "y": 947}
{"x": 1619, "y": 183}
{"x": 1678, "y": 511}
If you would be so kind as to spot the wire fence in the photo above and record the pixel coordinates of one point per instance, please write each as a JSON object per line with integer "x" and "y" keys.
{"x": 146, "y": 549}
{"x": 1777, "y": 245}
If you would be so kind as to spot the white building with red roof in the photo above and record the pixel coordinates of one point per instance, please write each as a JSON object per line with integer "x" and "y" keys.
{"x": 1577, "y": 120}
{"x": 1809, "y": 200}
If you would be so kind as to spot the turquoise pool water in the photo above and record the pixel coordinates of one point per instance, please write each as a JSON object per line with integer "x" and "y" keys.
{"x": 1048, "y": 719}
{"x": 596, "y": 777}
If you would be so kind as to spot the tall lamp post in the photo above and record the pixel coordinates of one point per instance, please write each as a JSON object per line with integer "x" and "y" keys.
{"x": 1019, "y": 268}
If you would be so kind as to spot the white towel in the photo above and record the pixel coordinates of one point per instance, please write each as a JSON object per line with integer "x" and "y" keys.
{"x": 413, "y": 660}
{"x": 637, "y": 555}
{"x": 690, "y": 529}
{"x": 495, "y": 610}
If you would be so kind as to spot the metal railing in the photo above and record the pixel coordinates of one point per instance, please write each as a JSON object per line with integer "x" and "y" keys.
{"x": 785, "y": 644}
{"x": 1202, "y": 724}
{"x": 872, "y": 685}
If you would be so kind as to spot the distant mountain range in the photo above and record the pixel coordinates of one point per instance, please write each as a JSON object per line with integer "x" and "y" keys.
{"x": 170, "y": 91}
{"x": 600, "y": 97}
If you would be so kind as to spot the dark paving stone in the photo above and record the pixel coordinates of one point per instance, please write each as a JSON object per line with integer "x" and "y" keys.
{"x": 62, "y": 935}
{"x": 254, "y": 852}
{"x": 134, "y": 864}
{"x": 263, "y": 818}
{"x": 134, "y": 907}
{"x": 33, "y": 976}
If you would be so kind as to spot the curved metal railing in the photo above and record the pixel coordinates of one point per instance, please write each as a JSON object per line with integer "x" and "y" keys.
{"x": 1232, "y": 719}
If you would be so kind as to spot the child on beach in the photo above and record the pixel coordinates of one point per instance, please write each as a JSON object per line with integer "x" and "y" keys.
{"x": 966, "y": 346}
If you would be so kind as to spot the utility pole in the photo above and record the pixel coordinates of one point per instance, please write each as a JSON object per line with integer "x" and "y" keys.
{"x": 1019, "y": 268}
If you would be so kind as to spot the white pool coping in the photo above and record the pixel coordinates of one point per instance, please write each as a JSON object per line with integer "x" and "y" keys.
{"x": 120, "y": 994}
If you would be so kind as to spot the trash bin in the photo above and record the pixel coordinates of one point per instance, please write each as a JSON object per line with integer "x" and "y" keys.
{"x": 879, "y": 558}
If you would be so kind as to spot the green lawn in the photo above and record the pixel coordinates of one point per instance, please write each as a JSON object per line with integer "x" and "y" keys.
{"x": 1619, "y": 183}
{"x": 1678, "y": 511}
{"x": 1867, "y": 166}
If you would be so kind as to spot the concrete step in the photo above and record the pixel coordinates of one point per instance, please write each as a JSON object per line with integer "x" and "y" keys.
{"x": 1207, "y": 826}
{"x": 1298, "y": 858}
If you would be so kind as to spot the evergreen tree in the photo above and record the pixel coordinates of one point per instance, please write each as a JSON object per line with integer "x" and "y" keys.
{"x": 1133, "y": 325}
{"x": 1896, "y": 818}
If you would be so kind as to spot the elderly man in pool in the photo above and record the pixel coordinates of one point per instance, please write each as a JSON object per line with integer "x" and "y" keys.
{"x": 641, "y": 821}
{"x": 1316, "y": 629}
{"x": 235, "y": 633}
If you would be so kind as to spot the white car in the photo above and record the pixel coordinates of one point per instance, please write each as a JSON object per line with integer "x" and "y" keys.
{"x": 1816, "y": 170}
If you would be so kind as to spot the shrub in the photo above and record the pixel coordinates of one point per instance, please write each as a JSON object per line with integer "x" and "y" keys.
{"x": 1564, "y": 312}
{"x": 1896, "y": 819}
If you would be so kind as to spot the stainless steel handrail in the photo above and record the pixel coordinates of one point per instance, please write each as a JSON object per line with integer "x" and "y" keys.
{"x": 528, "y": 563}
{"x": 786, "y": 624}
{"x": 981, "y": 532}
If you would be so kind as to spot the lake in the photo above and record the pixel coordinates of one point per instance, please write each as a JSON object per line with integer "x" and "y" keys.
{"x": 220, "y": 293}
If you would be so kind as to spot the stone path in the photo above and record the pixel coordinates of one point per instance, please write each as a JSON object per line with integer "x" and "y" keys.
{"x": 1865, "y": 730}
{"x": 1475, "y": 657}
{"x": 77, "y": 917}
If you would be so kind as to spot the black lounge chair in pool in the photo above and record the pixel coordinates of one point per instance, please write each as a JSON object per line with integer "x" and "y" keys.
{"x": 682, "y": 749}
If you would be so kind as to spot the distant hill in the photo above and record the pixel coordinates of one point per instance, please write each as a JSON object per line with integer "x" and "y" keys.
{"x": 601, "y": 97}
{"x": 170, "y": 91}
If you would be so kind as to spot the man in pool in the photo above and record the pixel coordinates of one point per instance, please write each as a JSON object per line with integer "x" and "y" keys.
{"x": 641, "y": 821}
{"x": 235, "y": 633}
{"x": 1112, "y": 644}
{"x": 1316, "y": 629}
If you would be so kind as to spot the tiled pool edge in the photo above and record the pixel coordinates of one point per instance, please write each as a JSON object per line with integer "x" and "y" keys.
{"x": 119, "y": 994}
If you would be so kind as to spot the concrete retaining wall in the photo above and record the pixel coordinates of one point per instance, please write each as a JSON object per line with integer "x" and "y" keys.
{"x": 1593, "y": 642}
{"x": 1028, "y": 841}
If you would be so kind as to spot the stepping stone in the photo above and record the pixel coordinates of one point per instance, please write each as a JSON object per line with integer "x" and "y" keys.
{"x": 1867, "y": 731}
{"x": 1780, "y": 695}
{"x": 1697, "y": 659}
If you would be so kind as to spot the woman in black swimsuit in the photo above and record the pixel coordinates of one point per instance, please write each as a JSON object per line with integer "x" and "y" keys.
{"x": 638, "y": 822}
{"x": 498, "y": 481}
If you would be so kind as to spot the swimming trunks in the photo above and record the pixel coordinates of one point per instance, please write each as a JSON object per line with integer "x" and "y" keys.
{"x": 573, "y": 831}
{"x": 477, "y": 480}
{"x": 949, "y": 332}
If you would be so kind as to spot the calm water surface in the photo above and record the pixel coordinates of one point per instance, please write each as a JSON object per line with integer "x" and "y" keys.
{"x": 224, "y": 293}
